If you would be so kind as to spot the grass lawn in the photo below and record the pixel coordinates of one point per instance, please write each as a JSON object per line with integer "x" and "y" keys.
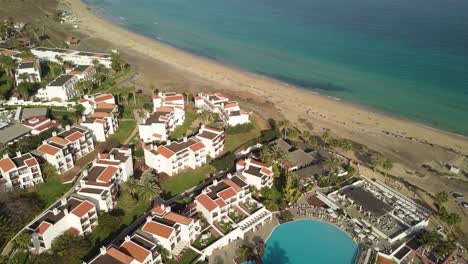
{"x": 51, "y": 190}
{"x": 183, "y": 181}
{"x": 210, "y": 240}
{"x": 50, "y": 70}
{"x": 62, "y": 114}
{"x": 187, "y": 257}
{"x": 180, "y": 131}
{"x": 123, "y": 132}
{"x": 233, "y": 141}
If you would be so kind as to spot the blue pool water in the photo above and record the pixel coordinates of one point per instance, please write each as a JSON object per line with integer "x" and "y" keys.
{"x": 309, "y": 241}
{"x": 408, "y": 58}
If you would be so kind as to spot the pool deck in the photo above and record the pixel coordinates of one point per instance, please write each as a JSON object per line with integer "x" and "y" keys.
{"x": 228, "y": 253}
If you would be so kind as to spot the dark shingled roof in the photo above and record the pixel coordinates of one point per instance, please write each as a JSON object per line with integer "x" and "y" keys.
{"x": 368, "y": 201}
{"x": 61, "y": 80}
{"x": 94, "y": 173}
{"x": 178, "y": 146}
{"x": 255, "y": 171}
{"x": 81, "y": 68}
{"x": 154, "y": 118}
{"x": 19, "y": 162}
{"x": 26, "y": 65}
{"x": 214, "y": 190}
{"x": 402, "y": 252}
{"x": 238, "y": 181}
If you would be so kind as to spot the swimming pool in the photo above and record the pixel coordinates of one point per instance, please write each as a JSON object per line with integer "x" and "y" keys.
{"x": 309, "y": 241}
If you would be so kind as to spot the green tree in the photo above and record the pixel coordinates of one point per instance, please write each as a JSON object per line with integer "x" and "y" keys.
{"x": 21, "y": 242}
{"x": 376, "y": 161}
{"x": 48, "y": 171}
{"x": 387, "y": 166}
{"x": 79, "y": 110}
{"x": 332, "y": 166}
{"x": 7, "y": 64}
{"x": 25, "y": 89}
{"x": 429, "y": 239}
{"x": 245, "y": 251}
{"x": 326, "y": 136}
{"x": 441, "y": 198}
{"x": 70, "y": 247}
{"x": 290, "y": 192}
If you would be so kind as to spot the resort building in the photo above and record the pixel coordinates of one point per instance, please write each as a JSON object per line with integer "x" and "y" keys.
{"x": 213, "y": 139}
{"x": 83, "y": 72}
{"x": 172, "y": 231}
{"x": 176, "y": 157}
{"x": 168, "y": 113}
{"x": 74, "y": 215}
{"x": 39, "y": 124}
{"x": 231, "y": 211}
{"x": 73, "y": 56}
{"x": 100, "y": 115}
{"x": 102, "y": 182}
{"x": 374, "y": 206}
{"x": 229, "y": 111}
{"x": 62, "y": 150}
{"x": 255, "y": 173}
{"x": 59, "y": 90}
{"x": 28, "y": 71}
{"x": 22, "y": 171}
{"x": 134, "y": 249}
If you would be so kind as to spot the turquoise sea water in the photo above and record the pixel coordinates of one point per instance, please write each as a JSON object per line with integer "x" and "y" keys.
{"x": 407, "y": 58}
{"x": 309, "y": 241}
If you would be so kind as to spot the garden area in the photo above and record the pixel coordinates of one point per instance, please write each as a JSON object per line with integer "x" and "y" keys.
{"x": 236, "y": 216}
{"x": 205, "y": 239}
{"x": 239, "y": 135}
{"x": 188, "y": 256}
{"x": 250, "y": 206}
{"x": 126, "y": 128}
{"x": 181, "y": 131}
{"x": 177, "y": 184}
{"x": 224, "y": 225}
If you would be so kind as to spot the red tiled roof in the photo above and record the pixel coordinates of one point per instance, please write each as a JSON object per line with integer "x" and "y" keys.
{"x": 59, "y": 140}
{"x": 7, "y": 164}
{"x": 108, "y": 162}
{"x": 48, "y": 149}
{"x": 135, "y": 251}
{"x": 34, "y": 121}
{"x": 228, "y": 193}
{"x": 174, "y": 98}
{"x": 119, "y": 255}
{"x": 158, "y": 210}
{"x": 155, "y": 97}
{"x": 31, "y": 162}
{"x": 101, "y": 114}
{"x": 220, "y": 202}
{"x": 158, "y": 229}
{"x": 164, "y": 109}
{"x": 103, "y": 97}
{"x": 73, "y": 230}
{"x": 82, "y": 209}
{"x": 198, "y": 97}
{"x": 56, "y": 99}
{"x": 241, "y": 163}
{"x": 178, "y": 218}
{"x": 75, "y": 136}
{"x": 167, "y": 153}
{"x": 105, "y": 106}
{"x": 197, "y": 146}
{"x": 266, "y": 171}
{"x": 42, "y": 228}
{"x": 206, "y": 202}
{"x": 104, "y": 184}
{"x": 213, "y": 129}
{"x": 107, "y": 174}
{"x": 47, "y": 125}
{"x": 233, "y": 185}
{"x": 259, "y": 163}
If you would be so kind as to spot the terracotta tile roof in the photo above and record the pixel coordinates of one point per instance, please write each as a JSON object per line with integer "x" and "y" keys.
{"x": 259, "y": 163}
{"x": 198, "y": 97}
{"x": 220, "y": 202}
{"x": 178, "y": 218}
{"x": 42, "y": 228}
{"x": 119, "y": 255}
{"x": 206, "y": 202}
{"x": 82, "y": 100}
{"x": 59, "y": 140}
{"x": 233, "y": 185}
{"x": 213, "y": 129}
{"x": 56, "y": 99}
{"x": 135, "y": 251}
{"x": 231, "y": 104}
{"x": 100, "y": 121}
{"x": 228, "y": 193}
{"x": 108, "y": 162}
{"x": 241, "y": 163}
{"x": 155, "y": 97}
{"x": 158, "y": 229}
{"x": 73, "y": 230}
{"x": 266, "y": 171}
{"x": 48, "y": 149}
{"x": 75, "y": 136}
{"x": 31, "y": 162}
{"x": 104, "y": 184}
{"x": 6, "y": 165}
{"x": 167, "y": 153}
{"x": 105, "y": 106}
{"x": 101, "y": 114}
{"x": 47, "y": 125}
{"x": 158, "y": 210}
{"x": 82, "y": 209}
{"x": 107, "y": 174}
{"x": 164, "y": 109}
{"x": 174, "y": 97}
{"x": 197, "y": 146}
{"x": 103, "y": 97}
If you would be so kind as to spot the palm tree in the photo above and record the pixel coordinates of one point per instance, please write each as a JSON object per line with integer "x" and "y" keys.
{"x": 332, "y": 165}
{"x": 376, "y": 161}
{"x": 283, "y": 127}
{"x": 22, "y": 241}
{"x": 277, "y": 154}
{"x": 326, "y": 136}
{"x": 24, "y": 77}
{"x": 7, "y": 64}
{"x": 131, "y": 186}
{"x": 429, "y": 240}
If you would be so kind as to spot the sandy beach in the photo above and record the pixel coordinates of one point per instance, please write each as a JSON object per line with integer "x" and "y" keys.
{"x": 161, "y": 66}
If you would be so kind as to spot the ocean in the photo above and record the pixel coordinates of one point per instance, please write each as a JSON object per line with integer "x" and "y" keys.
{"x": 405, "y": 58}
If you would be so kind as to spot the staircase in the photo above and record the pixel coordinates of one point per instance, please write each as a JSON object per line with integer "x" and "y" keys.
{"x": 179, "y": 247}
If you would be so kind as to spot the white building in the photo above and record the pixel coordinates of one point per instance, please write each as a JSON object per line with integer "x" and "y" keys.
{"x": 39, "y": 124}
{"x": 22, "y": 171}
{"x": 213, "y": 139}
{"x": 28, "y": 70}
{"x": 158, "y": 125}
{"x": 59, "y": 90}
{"x": 255, "y": 173}
{"x": 84, "y": 72}
{"x": 62, "y": 150}
{"x": 176, "y": 157}
{"x": 102, "y": 182}
{"x": 135, "y": 249}
{"x": 73, "y": 215}
{"x": 74, "y": 56}
{"x": 169, "y": 99}
{"x": 171, "y": 230}
{"x": 100, "y": 115}
{"x": 229, "y": 111}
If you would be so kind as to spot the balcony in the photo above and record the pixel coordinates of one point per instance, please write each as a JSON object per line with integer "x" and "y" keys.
{"x": 84, "y": 219}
